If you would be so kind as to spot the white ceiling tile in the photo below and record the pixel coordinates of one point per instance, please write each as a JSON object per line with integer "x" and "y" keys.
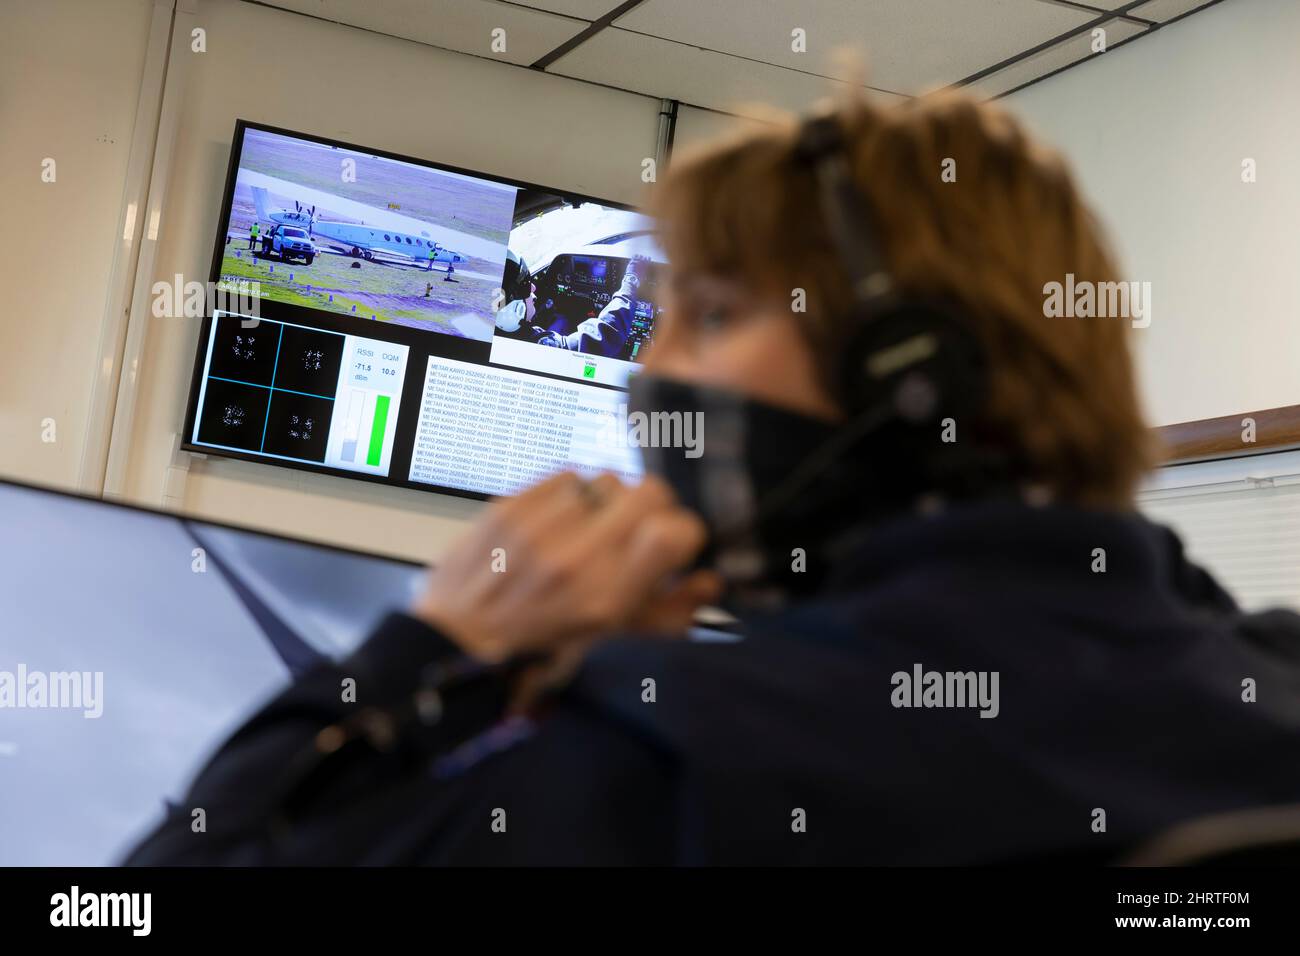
{"x": 687, "y": 73}
{"x": 463, "y": 25}
{"x": 1053, "y": 58}
{"x": 585, "y": 9}
{"x": 730, "y": 54}
{"x": 1099, "y": 4}
{"x": 1094, "y": 5}
{"x": 1165, "y": 10}
{"x": 908, "y": 45}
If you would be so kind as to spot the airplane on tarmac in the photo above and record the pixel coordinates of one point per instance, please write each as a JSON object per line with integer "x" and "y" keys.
{"x": 380, "y": 232}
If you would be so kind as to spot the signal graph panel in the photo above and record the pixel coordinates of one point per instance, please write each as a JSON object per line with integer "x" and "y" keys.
{"x": 365, "y": 420}
{"x": 288, "y": 391}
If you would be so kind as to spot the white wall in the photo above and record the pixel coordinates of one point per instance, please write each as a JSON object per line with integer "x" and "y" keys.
{"x": 695, "y": 126}
{"x": 70, "y": 73}
{"x": 1156, "y": 131}
{"x": 305, "y": 74}
{"x": 396, "y": 95}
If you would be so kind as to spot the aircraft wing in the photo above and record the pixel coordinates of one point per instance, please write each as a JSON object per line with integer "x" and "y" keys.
{"x": 286, "y": 193}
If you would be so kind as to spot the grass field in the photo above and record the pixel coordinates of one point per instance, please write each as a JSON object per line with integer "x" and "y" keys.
{"x": 386, "y": 289}
{"x": 386, "y": 292}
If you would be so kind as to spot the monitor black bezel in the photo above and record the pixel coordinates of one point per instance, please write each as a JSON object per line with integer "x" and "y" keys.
{"x": 214, "y": 270}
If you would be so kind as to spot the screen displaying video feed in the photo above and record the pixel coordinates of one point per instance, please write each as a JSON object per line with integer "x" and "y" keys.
{"x": 581, "y": 289}
{"x": 399, "y": 321}
{"x": 353, "y": 232}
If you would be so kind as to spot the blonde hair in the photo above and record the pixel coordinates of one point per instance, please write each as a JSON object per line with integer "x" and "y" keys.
{"x": 1061, "y": 396}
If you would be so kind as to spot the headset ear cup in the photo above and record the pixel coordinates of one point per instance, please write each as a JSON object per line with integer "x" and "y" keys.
{"x": 911, "y": 368}
{"x": 913, "y": 362}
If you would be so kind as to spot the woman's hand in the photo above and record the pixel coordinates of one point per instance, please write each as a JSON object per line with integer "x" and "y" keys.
{"x": 566, "y": 563}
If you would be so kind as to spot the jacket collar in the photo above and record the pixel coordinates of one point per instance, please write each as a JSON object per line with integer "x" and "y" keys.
{"x": 1030, "y": 542}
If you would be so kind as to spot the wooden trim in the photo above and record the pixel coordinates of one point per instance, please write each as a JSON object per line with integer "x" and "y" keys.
{"x": 1275, "y": 428}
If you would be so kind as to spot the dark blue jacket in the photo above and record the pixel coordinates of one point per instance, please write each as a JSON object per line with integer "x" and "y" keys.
{"x": 1118, "y": 691}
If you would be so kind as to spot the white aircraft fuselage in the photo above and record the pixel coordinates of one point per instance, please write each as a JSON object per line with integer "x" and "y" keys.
{"x": 359, "y": 239}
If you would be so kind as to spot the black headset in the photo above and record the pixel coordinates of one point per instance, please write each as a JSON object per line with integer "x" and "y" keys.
{"x": 907, "y": 364}
{"x": 902, "y": 352}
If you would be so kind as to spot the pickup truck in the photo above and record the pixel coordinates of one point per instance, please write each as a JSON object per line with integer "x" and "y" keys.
{"x": 288, "y": 243}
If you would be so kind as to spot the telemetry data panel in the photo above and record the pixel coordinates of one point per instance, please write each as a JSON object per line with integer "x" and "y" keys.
{"x": 302, "y": 394}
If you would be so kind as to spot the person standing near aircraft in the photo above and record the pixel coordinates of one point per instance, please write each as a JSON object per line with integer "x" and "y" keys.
{"x": 433, "y": 254}
{"x": 253, "y": 230}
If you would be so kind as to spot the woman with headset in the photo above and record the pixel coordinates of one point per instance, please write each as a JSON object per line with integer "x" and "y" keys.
{"x": 959, "y": 641}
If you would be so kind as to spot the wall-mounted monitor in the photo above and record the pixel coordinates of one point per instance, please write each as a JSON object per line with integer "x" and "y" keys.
{"x": 397, "y": 320}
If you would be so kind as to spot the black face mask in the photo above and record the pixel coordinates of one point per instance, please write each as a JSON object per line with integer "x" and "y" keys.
{"x": 781, "y": 496}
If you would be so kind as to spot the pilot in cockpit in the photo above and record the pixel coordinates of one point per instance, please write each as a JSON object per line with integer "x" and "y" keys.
{"x": 603, "y": 334}
{"x": 606, "y": 333}
{"x": 516, "y": 316}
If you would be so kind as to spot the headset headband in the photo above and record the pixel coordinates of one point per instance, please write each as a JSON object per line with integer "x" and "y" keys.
{"x": 822, "y": 146}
